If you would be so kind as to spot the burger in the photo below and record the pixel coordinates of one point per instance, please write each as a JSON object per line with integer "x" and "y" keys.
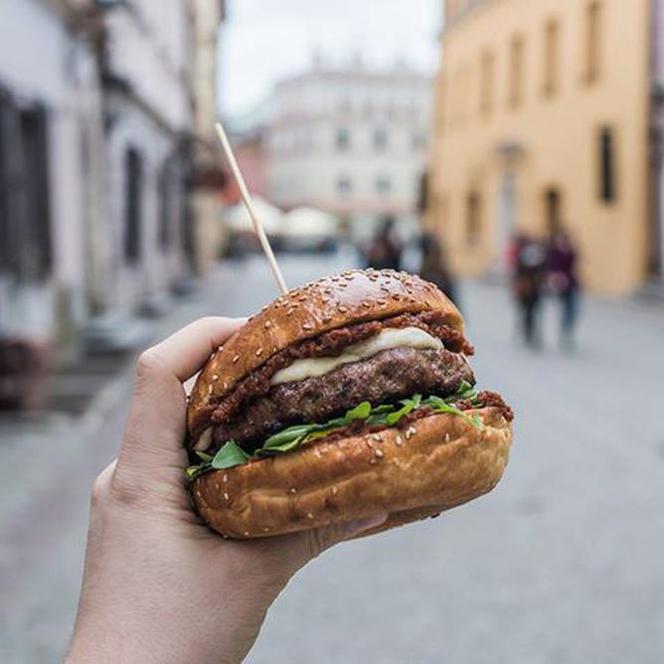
{"x": 348, "y": 397}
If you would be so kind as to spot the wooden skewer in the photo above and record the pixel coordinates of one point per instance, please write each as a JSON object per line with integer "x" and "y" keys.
{"x": 246, "y": 199}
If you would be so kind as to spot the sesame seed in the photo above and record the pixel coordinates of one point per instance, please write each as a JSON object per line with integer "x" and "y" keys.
{"x": 290, "y": 311}
{"x": 225, "y": 385}
{"x": 366, "y": 305}
{"x": 292, "y": 490}
{"x": 215, "y": 376}
{"x": 307, "y": 326}
{"x": 259, "y": 352}
{"x": 369, "y": 444}
{"x": 266, "y": 529}
{"x": 310, "y": 515}
{"x": 377, "y": 437}
{"x": 225, "y": 477}
{"x": 447, "y": 437}
{"x": 379, "y": 454}
{"x": 335, "y": 490}
{"x": 246, "y": 533}
{"x": 209, "y": 389}
{"x": 226, "y": 497}
{"x": 372, "y": 462}
{"x": 268, "y": 324}
{"x": 236, "y": 358}
{"x": 398, "y": 441}
{"x": 343, "y": 309}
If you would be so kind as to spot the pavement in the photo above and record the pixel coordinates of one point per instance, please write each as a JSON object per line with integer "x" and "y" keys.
{"x": 561, "y": 563}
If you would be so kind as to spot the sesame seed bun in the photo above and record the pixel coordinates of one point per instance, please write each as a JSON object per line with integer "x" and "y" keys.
{"x": 434, "y": 464}
{"x": 355, "y": 296}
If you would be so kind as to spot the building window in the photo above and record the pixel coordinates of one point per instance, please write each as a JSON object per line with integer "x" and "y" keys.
{"x": 486, "y": 83}
{"x": 515, "y": 88}
{"x": 551, "y": 57}
{"x": 380, "y": 140}
{"x": 607, "y": 166}
{"x": 593, "y": 38}
{"x": 552, "y": 210}
{"x": 473, "y": 219}
{"x": 25, "y": 215}
{"x": 167, "y": 188}
{"x": 344, "y": 185}
{"x": 383, "y": 185}
{"x": 133, "y": 205}
{"x": 342, "y": 139}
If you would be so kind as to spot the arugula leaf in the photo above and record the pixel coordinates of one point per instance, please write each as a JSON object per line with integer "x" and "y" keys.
{"x": 289, "y": 434}
{"x": 360, "y": 412}
{"x": 230, "y": 455}
{"x": 441, "y": 406}
{"x": 408, "y": 405}
{"x": 203, "y": 456}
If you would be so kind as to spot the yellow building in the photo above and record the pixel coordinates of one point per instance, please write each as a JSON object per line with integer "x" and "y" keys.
{"x": 542, "y": 121}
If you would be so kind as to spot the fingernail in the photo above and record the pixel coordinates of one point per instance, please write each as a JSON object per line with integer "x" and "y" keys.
{"x": 360, "y": 525}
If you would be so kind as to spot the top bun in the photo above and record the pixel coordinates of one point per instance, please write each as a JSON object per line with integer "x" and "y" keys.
{"x": 355, "y": 296}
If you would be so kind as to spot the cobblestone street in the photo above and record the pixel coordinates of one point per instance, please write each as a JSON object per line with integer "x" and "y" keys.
{"x": 561, "y": 563}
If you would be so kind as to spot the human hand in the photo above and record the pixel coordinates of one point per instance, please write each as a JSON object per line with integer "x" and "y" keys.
{"x": 158, "y": 585}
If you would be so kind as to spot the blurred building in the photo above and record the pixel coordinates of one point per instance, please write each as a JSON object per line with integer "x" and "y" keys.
{"x": 349, "y": 140}
{"x": 250, "y": 149}
{"x": 207, "y": 180}
{"x": 542, "y": 121}
{"x": 51, "y": 170}
{"x": 106, "y": 120}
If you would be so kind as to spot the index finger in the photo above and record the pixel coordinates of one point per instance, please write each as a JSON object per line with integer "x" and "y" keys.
{"x": 182, "y": 354}
{"x": 156, "y": 423}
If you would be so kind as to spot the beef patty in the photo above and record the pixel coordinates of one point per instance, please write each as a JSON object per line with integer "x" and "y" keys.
{"x": 386, "y": 377}
{"x": 332, "y": 343}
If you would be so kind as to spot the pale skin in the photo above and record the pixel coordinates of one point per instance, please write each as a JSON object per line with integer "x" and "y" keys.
{"x": 158, "y": 585}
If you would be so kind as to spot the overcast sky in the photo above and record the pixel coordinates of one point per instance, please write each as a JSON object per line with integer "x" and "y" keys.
{"x": 264, "y": 40}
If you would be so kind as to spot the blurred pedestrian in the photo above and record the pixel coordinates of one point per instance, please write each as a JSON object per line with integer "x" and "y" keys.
{"x": 563, "y": 283}
{"x": 385, "y": 249}
{"x": 434, "y": 267}
{"x": 529, "y": 260}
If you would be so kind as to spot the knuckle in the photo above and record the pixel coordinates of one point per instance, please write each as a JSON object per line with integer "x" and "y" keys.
{"x": 99, "y": 490}
{"x": 123, "y": 491}
{"x": 148, "y": 363}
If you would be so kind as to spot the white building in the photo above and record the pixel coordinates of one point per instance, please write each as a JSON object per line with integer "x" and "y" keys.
{"x": 148, "y": 114}
{"x": 351, "y": 141}
{"x": 50, "y": 175}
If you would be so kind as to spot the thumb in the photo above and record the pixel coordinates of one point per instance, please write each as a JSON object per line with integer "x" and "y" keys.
{"x": 307, "y": 545}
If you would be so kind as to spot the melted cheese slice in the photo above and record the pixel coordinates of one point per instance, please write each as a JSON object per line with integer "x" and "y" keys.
{"x": 389, "y": 337}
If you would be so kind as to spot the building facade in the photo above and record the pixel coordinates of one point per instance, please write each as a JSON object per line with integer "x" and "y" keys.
{"x": 542, "y": 122}
{"x": 104, "y": 107}
{"x": 350, "y": 141}
{"x": 51, "y": 154}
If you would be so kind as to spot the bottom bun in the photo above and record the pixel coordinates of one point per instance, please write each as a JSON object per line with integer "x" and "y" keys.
{"x": 436, "y": 463}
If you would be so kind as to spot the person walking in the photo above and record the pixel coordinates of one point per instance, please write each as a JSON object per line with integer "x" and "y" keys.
{"x": 529, "y": 262}
{"x": 434, "y": 267}
{"x": 563, "y": 282}
{"x": 385, "y": 249}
